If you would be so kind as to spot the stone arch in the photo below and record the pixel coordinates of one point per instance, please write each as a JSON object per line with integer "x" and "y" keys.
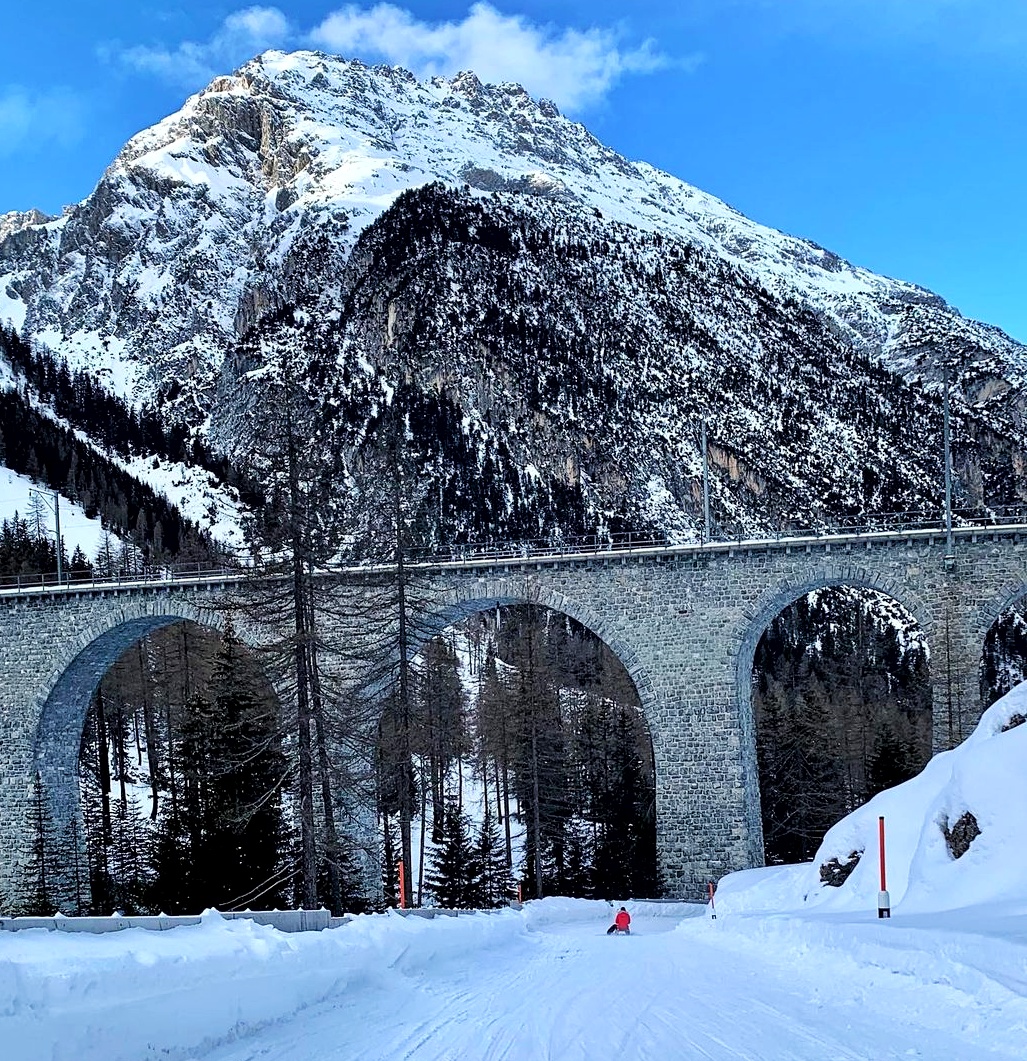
{"x": 454, "y": 604}
{"x": 984, "y": 617}
{"x": 460, "y": 603}
{"x": 745, "y": 638}
{"x": 979, "y": 623}
{"x": 80, "y": 665}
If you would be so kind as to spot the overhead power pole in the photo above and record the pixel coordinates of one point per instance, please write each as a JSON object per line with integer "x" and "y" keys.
{"x": 57, "y": 531}
{"x": 947, "y": 438}
{"x": 705, "y": 485}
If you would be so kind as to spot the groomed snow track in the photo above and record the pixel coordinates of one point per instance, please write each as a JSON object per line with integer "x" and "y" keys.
{"x": 542, "y": 984}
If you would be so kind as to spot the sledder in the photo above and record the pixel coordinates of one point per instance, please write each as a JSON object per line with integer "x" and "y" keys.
{"x": 621, "y": 923}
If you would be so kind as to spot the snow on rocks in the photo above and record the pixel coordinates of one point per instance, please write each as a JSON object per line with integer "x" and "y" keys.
{"x": 206, "y": 215}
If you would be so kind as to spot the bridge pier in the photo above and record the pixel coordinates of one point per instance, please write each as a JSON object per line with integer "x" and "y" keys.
{"x": 707, "y": 799}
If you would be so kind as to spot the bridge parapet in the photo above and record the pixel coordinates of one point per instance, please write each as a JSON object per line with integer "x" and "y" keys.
{"x": 488, "y": 557}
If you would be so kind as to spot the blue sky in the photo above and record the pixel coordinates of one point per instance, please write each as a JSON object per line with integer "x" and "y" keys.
{"x": 890, "y": 131}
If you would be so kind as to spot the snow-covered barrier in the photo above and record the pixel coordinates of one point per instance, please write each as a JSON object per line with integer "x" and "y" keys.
{"x": 283, "y": 920}
{"x": 956, "y": 835}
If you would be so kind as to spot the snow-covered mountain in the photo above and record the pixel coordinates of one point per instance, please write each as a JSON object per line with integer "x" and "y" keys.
{"x": 635, "y": 303}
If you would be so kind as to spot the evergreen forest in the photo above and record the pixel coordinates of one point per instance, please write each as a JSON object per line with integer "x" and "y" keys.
{"x": 843, "y": 710}
{"x": 53, "y": 454}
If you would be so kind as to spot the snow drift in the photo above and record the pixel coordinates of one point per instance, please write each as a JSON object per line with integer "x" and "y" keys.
{"x": 983, "y": 783}
{"x": 136, "y": 995}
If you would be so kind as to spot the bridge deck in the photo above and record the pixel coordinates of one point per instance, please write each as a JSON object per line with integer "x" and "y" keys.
{"x": 471, "y": 558}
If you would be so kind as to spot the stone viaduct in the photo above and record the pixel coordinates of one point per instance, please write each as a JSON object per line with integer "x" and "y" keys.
{"x": 685, "y": 622}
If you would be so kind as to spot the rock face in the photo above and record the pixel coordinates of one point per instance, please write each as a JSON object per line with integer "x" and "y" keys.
{"x": 581, "y": 309}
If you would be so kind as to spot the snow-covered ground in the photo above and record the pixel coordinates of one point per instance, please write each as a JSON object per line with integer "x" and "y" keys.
{"x": 542, "y": 984}
{"x": 77, "y": 529}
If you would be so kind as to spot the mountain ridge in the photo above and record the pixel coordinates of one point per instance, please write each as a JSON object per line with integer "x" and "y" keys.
{"x": 301, "y": 140}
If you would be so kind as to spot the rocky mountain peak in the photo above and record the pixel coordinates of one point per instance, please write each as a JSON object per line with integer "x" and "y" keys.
{"x": 255, "y": 193}
{"x": 16, "y": 220}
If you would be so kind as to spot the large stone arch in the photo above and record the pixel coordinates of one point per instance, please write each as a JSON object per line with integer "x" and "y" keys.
{"x": 65, "y": 693}
{"x": 746, "y": 636}
{"x": 456, "y": 603}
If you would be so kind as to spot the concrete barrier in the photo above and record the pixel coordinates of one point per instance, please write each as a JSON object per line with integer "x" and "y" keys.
{"x": 283, "y": 920}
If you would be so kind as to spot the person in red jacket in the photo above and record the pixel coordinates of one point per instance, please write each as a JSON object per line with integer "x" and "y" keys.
{"x": 621, "y": 923}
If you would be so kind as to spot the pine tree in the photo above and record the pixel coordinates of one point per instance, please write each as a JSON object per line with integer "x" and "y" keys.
{"x": 233, "y": 770}
{"x": 494, "y": 885}
{"x": 41, "y": 868}
{"x": 456, "y": 871}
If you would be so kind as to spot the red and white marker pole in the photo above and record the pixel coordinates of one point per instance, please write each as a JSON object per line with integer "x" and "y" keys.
{"x": 883, "y": 898}
{"x": 713, "y": 909}
{"x": 402, "y": 884}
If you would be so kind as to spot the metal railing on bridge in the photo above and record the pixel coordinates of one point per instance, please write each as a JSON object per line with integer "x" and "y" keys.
{"x": 888, "y": 523}
{"x": 33, "y": 583}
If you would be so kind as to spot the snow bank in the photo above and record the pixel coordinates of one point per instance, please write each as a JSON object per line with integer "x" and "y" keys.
{"x": 986, "y": 775}
{"x": 138, "y": 995}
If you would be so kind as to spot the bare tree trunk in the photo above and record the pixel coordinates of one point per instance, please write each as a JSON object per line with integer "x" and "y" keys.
{"x": 420, "y": 853}
{"x": 308, "y": 851}
{"x": 332, "y": 847}
{"x": 405, "y": 794}
{"x": 506, "y": 816}
{"x": 119, "y": 747}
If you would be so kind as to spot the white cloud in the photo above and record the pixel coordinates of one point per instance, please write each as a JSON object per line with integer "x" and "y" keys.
{"x": 242, "y": 35}
{"x": 28, "y": 119}
{"x": 574, "y": 68}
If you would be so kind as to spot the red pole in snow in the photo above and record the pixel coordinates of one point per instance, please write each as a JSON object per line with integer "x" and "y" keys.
{"x": 402, "y": 885}
{"x": 713, "y": 909}
{"x": 883, "y": 899}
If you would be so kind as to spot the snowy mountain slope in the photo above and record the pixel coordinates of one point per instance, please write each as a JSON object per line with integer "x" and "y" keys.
{"x": 36, "y": 440}
{"x": 560, "y": 364}
{"x": 982, "y": 867}
{"x": 78, "y": 530}
{"x": 197, "y": 227}
{"x": 567, "y": 315}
